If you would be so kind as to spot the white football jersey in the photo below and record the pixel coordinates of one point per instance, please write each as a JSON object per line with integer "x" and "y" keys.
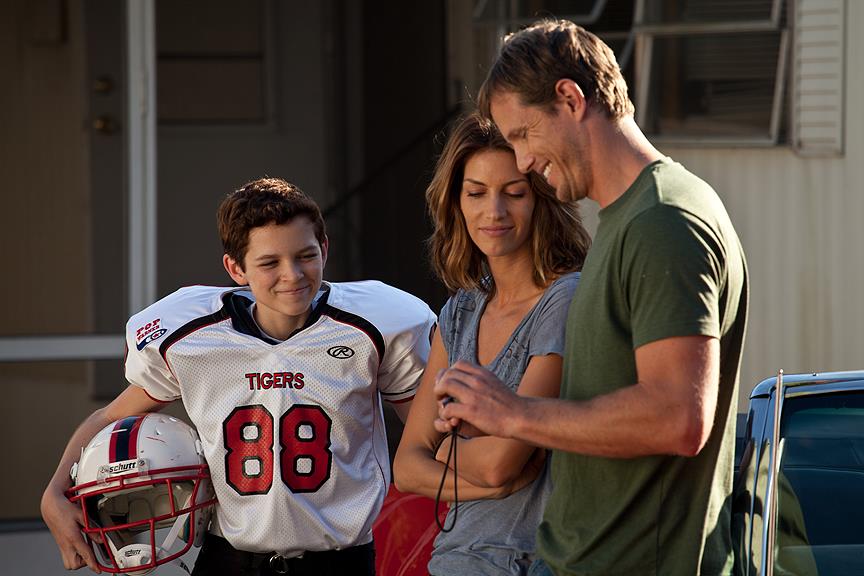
{"x": 293, "y": 431}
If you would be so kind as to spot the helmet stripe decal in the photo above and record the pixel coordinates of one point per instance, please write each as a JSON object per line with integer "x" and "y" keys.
{"x": 124, "y": 439}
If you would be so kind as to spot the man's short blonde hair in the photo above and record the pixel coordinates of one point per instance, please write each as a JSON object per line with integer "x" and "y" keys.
{"x": 532, "y": 61}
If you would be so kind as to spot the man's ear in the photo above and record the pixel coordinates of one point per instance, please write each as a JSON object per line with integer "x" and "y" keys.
{"x": 235, "y": 271}
{"x": 570, "y": 95}
{"x": 325, "y": 247}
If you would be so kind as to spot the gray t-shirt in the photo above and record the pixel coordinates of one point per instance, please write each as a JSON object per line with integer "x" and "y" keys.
{"x": 497, "y": 536}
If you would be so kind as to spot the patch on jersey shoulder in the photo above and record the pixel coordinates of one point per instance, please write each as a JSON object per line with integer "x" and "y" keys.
{"x": 341, "y": 352}
{"x": 148, "y": 333}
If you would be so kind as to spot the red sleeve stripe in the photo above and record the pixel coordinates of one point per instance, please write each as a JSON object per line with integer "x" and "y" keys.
{"x": 157, "y": 399}
{"x": 401, "y": 400}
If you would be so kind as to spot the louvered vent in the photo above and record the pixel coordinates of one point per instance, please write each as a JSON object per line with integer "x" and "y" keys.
{"x": 819, "y": 60}
{"x": 715, "y": 85}
{"x": 713, "y": 70}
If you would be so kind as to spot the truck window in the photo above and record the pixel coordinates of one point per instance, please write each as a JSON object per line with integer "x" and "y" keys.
{"x": 821, "y": 485}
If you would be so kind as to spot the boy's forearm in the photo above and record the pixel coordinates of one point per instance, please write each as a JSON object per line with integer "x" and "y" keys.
{"x": 133, "y": 400}
{"x": 80, "y": 438}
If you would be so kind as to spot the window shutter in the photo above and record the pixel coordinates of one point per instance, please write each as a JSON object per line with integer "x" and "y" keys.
{"x": 713, "y": 71}
{"x": 819, "y": 70}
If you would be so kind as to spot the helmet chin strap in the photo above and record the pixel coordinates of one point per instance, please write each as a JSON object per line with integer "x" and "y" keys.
{"x": 143, "y": 558}
{"x": 139, "y": 557}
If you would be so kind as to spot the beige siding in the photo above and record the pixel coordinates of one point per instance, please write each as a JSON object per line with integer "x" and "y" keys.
{"x": 801, "y": 220}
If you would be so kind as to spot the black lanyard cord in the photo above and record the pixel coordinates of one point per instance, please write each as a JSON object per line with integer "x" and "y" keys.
{"x": 451, "y": 453}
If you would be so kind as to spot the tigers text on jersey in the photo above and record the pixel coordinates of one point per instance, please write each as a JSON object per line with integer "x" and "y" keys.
{"x": 293, "y": 431}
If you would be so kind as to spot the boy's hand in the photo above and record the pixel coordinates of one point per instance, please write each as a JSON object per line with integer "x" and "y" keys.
{"x": 65, "y": 520}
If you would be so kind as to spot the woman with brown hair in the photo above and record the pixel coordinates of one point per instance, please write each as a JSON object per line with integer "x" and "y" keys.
{"x": 509, "y": 253}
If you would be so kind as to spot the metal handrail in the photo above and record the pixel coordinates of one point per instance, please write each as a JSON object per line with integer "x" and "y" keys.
{"x": 421, "y": 138}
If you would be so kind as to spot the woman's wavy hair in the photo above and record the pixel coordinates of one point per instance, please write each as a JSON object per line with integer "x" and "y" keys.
{"x": 560, "y": 247}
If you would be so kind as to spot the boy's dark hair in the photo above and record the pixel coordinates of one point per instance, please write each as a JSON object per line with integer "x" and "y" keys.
{"x": 259, "y": 203}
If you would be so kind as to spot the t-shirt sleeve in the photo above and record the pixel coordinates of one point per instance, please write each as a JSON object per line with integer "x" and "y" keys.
{"x": 447, "y": 324}
{"x": 548, "y": 333}
{"x": 146, "y": 368}
{"x": 672, "y": 275}
{"x": 406, "y": 354}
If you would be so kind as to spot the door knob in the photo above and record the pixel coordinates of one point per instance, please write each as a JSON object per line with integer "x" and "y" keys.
{"x": 103, "y": 85}
{"x": 105, "y": 124}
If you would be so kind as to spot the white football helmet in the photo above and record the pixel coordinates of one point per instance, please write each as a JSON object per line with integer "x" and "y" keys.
{"x": 141, "y": 479}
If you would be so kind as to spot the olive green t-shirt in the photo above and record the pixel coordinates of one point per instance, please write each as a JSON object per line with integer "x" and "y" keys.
{"x": 665, "y": 262}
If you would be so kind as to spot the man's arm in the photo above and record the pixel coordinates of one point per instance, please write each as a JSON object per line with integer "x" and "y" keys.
{"x": 64, "y": 518}
{"x": 669, "y": 410}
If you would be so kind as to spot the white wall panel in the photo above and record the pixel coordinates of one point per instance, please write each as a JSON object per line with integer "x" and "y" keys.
{"x": 801, "y": 220}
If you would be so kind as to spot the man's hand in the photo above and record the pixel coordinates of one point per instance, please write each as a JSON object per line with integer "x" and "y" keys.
{"x": 65, "y": 521}
{"x": 480, "y": 402}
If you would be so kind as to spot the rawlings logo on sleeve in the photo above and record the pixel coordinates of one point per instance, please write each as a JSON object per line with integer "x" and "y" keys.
{"x": 341, "y": 352}
{"x": 148, "y": 333}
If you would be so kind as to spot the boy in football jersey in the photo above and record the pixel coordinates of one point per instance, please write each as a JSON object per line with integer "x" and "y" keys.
{"x": 283, "y": 378}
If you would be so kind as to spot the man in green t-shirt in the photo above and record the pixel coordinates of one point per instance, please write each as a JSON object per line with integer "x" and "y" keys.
{"x": 644, "y": 431}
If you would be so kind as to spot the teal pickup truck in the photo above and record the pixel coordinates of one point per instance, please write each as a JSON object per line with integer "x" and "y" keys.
{"x": 798, "y": 501}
